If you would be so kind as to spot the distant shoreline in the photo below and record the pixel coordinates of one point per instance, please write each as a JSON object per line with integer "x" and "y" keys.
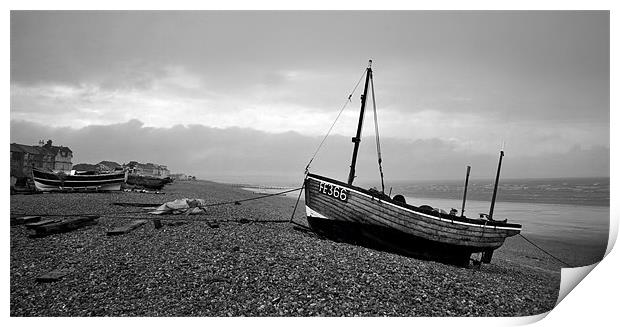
{"x": 472, "y": 195}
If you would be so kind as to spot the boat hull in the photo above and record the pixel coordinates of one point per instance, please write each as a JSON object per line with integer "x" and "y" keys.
{"x": 46, "y": 181}
{"x": 373, "y": 220}
{"x": 151, "y": 183}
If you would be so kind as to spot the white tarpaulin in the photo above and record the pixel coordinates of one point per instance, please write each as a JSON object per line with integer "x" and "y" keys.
{"x": 181, "y": 206}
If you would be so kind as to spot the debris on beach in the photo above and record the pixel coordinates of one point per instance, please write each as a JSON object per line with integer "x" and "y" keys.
{"x": 65, "y": 225}
{"x": 127, "y": 228}
{"x": 24, "y": 220}
{"x": 42, "y": 222}
{"x": 181, "y": 206}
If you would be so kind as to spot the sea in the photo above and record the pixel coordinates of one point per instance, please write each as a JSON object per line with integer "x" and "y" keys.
{"x": 570, "y": 211}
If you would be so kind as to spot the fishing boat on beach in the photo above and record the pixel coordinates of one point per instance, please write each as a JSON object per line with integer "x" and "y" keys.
{"x": 342, "y": 211}
{"x": 50, "y": 181}
{"x": 147, "y": 182}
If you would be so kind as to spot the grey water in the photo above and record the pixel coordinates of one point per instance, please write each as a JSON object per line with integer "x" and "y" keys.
{"x": 572, "y": 210}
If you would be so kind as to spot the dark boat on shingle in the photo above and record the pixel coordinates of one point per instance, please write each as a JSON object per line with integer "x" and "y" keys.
{"x": 345, "y": 212}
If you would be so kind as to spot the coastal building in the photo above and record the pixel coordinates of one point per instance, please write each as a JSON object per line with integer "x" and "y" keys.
{"x": 44, "y": 156}
{"x": 179, "y": 177}
{"x": 62, "y": 156}
{"x": 148, "y": 169}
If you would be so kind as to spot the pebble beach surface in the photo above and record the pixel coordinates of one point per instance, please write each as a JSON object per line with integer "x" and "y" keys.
{"x": 198, "y": 268}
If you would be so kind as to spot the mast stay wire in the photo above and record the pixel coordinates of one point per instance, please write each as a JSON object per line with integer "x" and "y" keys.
{"x": 374, "y": 108}
{"x": 347, "y": 101}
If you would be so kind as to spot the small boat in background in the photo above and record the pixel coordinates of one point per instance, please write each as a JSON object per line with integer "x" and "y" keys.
{"x": 50, "y": 181}
{"x": 147, "y": 182}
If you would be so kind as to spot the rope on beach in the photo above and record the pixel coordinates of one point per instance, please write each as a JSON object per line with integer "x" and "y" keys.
{"x": 250, "y": 199}
{"x": 549, "y": 254}
{"x": 181, "y": 217}
{"x": 204, "y": 206}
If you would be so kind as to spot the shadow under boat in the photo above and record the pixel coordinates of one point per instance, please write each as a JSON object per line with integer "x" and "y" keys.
{"x": 389, "y": 240}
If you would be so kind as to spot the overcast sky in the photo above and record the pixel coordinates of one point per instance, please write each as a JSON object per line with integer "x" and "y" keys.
{"x": 230, "y": 95}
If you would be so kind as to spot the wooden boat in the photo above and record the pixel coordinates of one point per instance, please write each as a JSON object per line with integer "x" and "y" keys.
{"x": 349, "y": 213}
{"x": 49, "y": 181}
{"x": 147, "y": 182}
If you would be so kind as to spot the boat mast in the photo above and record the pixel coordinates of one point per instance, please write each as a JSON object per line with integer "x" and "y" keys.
{"x": 465, "y": 191}
{"x": 356, "y": 140}
{"x": 499, "y": 167}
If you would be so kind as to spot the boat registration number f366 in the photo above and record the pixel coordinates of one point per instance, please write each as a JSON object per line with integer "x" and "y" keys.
{"x": 334, "y": 191}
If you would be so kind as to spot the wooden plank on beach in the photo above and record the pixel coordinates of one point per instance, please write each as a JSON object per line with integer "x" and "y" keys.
{"x": 42, "y": 222}
{"x": 66, "y": 225}
{"x": 24, "y": 220}
{"x": 127, "y": 228}
{"x": 54, "y": 275}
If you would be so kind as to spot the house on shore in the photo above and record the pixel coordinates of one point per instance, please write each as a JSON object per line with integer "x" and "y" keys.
{"x": 182, "y": 177}
{"x": 62, "y": 156}
{"x": 148, "y": 169}
{"x": 179, "y": 177}
{"x": 45, "y": 156}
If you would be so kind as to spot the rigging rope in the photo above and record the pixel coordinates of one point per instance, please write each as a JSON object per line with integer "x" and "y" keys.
{"x": 335, "y": 120}
{"x": 251, "y": 199}
{"x": 374, "y": 108}
{"x": 549, "y": 254}
{"x": 155, "y": 205}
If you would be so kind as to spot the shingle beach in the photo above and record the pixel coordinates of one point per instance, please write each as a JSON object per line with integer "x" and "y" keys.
{"x": 248, "y": 268}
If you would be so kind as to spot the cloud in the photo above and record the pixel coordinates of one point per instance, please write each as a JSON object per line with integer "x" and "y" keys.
{"x": 555, "y": 65}
{"x": 242, "y": 154}
{"x": 462, "y": 81}
{"x": 180, "y": 97}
